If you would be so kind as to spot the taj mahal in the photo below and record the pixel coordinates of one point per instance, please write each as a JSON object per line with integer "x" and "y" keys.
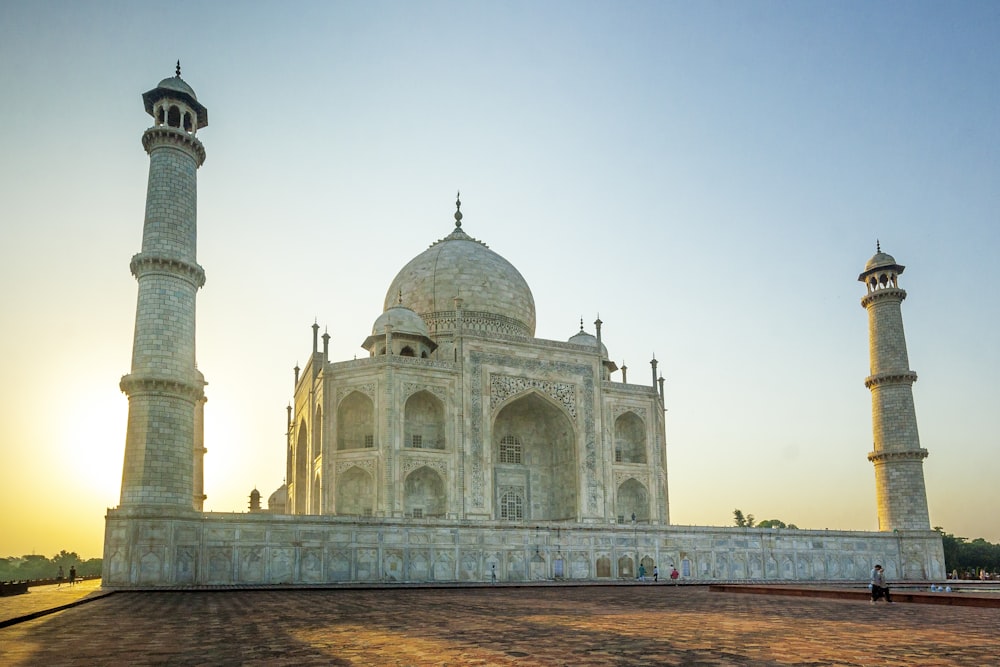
{"x": 461, "y": 447}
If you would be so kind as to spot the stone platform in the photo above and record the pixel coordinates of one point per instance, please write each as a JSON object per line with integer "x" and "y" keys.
{"x": 626, "y": 624}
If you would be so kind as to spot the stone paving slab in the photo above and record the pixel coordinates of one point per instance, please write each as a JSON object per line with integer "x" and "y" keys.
{"x": 963, "y": 599}
{"x": 44, "y": 599}
{"x": 613, "y": 626}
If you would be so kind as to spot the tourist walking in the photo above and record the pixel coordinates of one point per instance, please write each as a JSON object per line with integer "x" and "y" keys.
{"x": 642, "y": 572}
{"x": 72, "y": 575}
{"x": 60, "y": 576}
{"x": 656, "y": 573}
{"x": 879, "y": 588}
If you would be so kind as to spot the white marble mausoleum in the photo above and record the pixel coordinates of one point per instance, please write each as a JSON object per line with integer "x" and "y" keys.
{"x": 461, "y": 447}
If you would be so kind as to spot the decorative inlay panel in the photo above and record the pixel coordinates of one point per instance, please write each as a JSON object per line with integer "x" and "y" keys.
{"x": 623, "y": 476}
{"x": 619, "y": 410}
{"x": 503, "y": 387}
{"x": 366, "y": 389}
{"x": 365, "y": 464}
{"x": 410, "y": 463}
{"x": 410, "y": 388}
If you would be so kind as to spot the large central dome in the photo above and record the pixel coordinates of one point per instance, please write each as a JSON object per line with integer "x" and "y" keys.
{"x": 495, "y": 296}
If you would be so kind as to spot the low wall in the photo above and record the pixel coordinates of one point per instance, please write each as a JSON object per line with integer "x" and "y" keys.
{"x": 191, "y": 549}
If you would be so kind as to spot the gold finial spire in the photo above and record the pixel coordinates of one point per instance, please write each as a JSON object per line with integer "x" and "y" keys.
{"x": 178, "y": 75}
{"x": 458, "y": 209}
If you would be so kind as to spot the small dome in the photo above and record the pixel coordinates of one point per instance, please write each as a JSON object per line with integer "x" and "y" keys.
{"x": 279, "y": 497}
{"x": 179, "y": 85}
{"x": 880, "y": 259}
{"x": 402, "y": 319}
{"x": 588, "y": 340}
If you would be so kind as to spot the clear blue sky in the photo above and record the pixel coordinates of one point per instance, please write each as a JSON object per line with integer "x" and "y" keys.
{"x": 710, "y": 177}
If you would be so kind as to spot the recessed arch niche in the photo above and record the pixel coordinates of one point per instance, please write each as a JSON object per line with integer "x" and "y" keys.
{"x": 548, "y": 465}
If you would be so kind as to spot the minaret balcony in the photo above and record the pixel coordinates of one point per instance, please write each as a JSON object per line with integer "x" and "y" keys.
{"x": 896, "y": 377}
{"x": 905, "y": 455}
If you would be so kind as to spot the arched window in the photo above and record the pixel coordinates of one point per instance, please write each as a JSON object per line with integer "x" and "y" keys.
{"x": 317, "y": 436}
{"x": 174, "y": 117}
{"x": 301, "y": 479}
{"x": 407, "y": 352}
{"x": 510, "y": 450}
{"x": 316, "y": 506}
{"x": 356, "y": 422}
{"x": 630, "y": 439}
{"x": 512, "y": 506}
{"x": 424, "y": 494}
{"x": 423, "y": 421}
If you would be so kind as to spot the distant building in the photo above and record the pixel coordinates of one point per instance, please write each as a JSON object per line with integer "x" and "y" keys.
{"x": 462, "y": 445}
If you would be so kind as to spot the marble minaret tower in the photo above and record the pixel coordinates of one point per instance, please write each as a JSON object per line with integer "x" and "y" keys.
{"x": 163, "y": 445}
{"x": 897, "y": 455}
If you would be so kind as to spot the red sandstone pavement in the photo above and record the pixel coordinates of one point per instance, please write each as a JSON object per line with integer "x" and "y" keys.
{"x": 551, "y": 625}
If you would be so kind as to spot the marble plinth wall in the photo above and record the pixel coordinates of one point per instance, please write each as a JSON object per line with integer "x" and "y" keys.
{"x": 247, "y": 549}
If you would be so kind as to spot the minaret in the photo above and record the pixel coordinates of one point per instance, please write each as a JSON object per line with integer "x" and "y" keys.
{"x": 897, "y": 456}
{"x": 165, "y": 389}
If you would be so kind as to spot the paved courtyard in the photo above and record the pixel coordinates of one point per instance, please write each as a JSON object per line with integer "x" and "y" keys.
{"x": 553, "y": 625}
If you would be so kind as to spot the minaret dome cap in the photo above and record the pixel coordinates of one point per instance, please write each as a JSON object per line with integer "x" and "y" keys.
{"x": 178, "y": 88}
{"x": 879, "y": 260}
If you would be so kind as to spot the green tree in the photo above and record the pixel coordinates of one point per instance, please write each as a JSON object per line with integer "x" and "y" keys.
{"x": 968, "y": 557}
{"x": 776, "y": 523}
{"x": 743, "y": 521}
{"x": 34, "y": 567}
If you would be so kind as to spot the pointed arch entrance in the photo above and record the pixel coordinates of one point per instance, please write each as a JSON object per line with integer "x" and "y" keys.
{"x": 534, "y": 454}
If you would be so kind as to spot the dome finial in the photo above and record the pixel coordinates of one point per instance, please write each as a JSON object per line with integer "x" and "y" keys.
{"x": 458, "y": 209}
{"x": 878, "y": 246}
{"x": 399, "y": 297}
{"x": 581, "y": 324}
{"x": 178, "y": 75}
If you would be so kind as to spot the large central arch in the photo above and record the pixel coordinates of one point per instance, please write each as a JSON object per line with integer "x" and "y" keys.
{"x": 534, "y": 453}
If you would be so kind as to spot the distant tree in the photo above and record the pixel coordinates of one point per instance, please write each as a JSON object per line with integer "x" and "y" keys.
{"x": 969, "y": 557}
{"x": 776, "y": 523}
{"x": 34, "y": 567}
{"x": 743, "y": 521}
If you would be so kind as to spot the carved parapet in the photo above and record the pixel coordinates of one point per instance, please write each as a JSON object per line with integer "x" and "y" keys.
{"x": 443, "y": 321}
{"x": 895, "y": 377}
{"x": 170, "y": 136}
{"x": 905, "y": 455}
{"x": 893, "y": 293}
{"x": 144, "y": 264}
{"x": 137, "y": 384}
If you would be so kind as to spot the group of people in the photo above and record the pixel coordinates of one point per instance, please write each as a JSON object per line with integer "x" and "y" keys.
{"x": 60, "y": 576}
{"x": 880, "y": 589}
{"x": 674, "y": 574}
